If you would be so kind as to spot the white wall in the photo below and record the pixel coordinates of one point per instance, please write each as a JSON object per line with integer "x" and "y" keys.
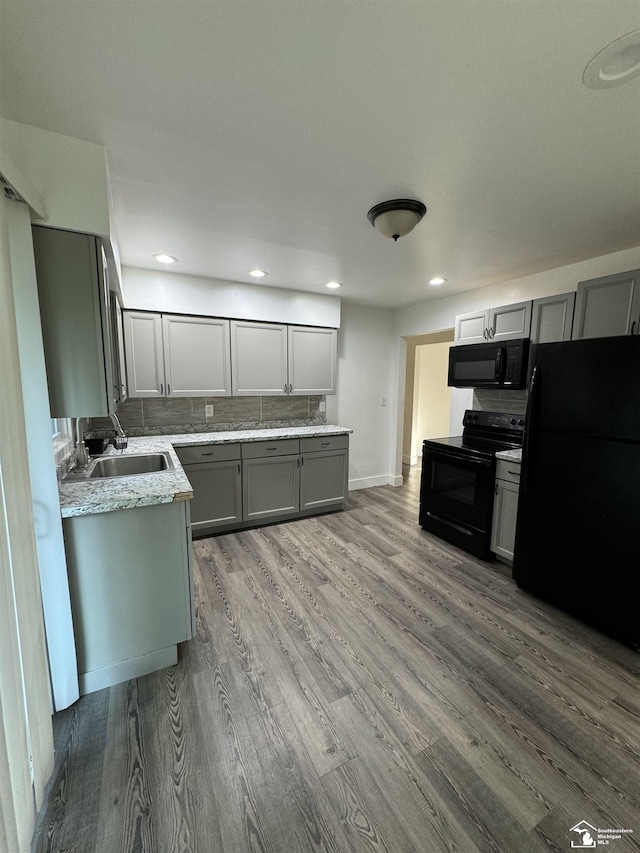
{"x": 26, "y": 742}
{"x": 364, "y": 377}
{"x": 148, "y": 290}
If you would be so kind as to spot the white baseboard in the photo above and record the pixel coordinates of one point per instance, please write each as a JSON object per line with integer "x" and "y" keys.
{"x": 410, "y": 460}
{"x": 371, "y": 482}
{"x": 106, "y": 676}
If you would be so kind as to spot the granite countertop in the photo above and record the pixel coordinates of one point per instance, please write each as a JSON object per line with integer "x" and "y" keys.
{"x": 510, "y": 455}
{"x": 86, "y": 497}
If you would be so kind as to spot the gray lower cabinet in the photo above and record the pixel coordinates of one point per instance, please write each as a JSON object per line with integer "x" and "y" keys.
{"x": 552, "y": 318}
{"x": 131, "y": 590}
{"x": 608, "y": 306}
{"x": 324, "y": 472}
{"x": 245, "y": 485}
{"x": 505, "y": 510}
{"x": 214, "y": 472}
{"x": 270, "y": 487}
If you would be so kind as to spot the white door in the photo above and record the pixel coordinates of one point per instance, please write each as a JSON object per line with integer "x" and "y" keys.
{"x": 312, "y": 360}
{"x": 259, "y": 359}
{"x": 144, "y": 354}
{"x": 197, "y": 356}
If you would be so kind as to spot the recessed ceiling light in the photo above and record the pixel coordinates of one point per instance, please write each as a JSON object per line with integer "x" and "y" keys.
{"x": 333, "y": 284}
{"x": 437, "y": 281}
{"x": 258, "y": 273}
{"x": 166, "y": 259}
{"x": 615, "y": 64}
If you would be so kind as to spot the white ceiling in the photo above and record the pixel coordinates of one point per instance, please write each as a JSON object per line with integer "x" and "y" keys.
{"x": 258, "y": 134}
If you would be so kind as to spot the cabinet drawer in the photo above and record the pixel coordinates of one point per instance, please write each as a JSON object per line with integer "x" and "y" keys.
{"x": 208, "y": 453}
{"x": 509, "y": 471}
{"x": 260, "y": 449}
{"x": 324, "y": 442}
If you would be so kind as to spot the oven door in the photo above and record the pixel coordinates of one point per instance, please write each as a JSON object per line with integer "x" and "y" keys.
{"x": 456, "y": 497}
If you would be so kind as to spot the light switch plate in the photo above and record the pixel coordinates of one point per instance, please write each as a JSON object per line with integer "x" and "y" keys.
{"x": 208, "y": 411}
{"x": 322, "y": 406}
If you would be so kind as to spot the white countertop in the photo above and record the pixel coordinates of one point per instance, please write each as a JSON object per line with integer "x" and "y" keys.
{"x": 510, "y": 455}
{"x": 85, "y": 497}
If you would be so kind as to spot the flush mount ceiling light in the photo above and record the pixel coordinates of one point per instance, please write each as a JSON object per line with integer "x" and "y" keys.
{"x": 397, "y": 217}
{"x": 617, "y": 63}
{"x": 437, "y": 281}
{"x": 334, "y": 284}
{"x": 258, "y": 273}
{"x": 165, "y": 259}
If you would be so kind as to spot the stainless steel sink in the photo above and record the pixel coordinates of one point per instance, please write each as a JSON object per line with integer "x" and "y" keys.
{"x": 129, "y": 464}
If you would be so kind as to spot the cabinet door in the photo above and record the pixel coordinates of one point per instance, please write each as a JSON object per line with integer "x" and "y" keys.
{"x": 324, "y": 479}
{"x": 116, "y": 336}
{"x": 471, "y": 328}
{"x": 503, "y": 525}
{"x": 259, "y": 359}
{"x": 510, "y": 321}
{"x": 119, "y": 345}
{"x": 312, "y": 360}
{"x": 217, "y": 489}
{"x": 270, "y": 487}
{"x": 608, "y": 306}
{"x": 75, "y": 329}
{"x": 144, "y": 354}
{"x": 552, "y": 318}
{"x": 197, "y": 356}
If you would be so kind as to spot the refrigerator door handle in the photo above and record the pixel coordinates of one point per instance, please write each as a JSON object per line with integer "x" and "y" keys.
{"x": 528, "y": 429}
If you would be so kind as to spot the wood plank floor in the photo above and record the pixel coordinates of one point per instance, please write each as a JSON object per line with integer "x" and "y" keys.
{"x": 356, "y": 685}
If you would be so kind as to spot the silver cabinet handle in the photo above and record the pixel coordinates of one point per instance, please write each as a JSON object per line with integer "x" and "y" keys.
{"x": 515, "y": 473}
{"x": 238, "y": 467}
{"x": 285, "y": 389}
{"x": 291, "y": 389}
{"x": 325, "y": 444}
{"x": 161, "y": 388}
{"x": 210, "y": 453}
{"x": 168, "y": 389}
{"x": 485, "y": 334}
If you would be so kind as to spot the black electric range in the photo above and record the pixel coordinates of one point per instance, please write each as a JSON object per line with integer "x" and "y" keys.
{"x": 458, "y": 472}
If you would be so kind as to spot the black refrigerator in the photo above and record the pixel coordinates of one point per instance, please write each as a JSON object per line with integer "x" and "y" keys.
{"x": 578, "y": 529}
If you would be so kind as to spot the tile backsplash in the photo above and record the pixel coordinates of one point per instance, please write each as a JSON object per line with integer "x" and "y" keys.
{"x": 169, "y": 415}
{"x": 514, "y": 402}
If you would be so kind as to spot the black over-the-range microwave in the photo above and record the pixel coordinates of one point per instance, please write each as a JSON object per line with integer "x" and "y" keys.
{"x": 496, "y": 364}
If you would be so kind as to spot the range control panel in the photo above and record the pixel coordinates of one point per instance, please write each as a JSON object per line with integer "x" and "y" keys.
{"x": 499, "y": 421}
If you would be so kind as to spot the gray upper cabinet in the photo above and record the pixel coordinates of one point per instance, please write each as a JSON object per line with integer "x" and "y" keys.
{"x": 608, "y": 306}
{"x": 197, "y": 353}
{"x": 259, "y": 358}
{"x": 312, "y": 355}
{"x": 144, "y": 354}
{"x": 471, "y": 328}
{"x": 118, "y": 366}
{"x": 73, "y": 296}
{"x": 270, "y": 359}
{"x": 177, "y": 355}
{"x": 508, "y": 322}
{"x": 552, "y": 318}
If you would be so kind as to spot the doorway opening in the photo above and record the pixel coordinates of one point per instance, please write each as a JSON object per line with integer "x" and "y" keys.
{"x": 427, "y": 401}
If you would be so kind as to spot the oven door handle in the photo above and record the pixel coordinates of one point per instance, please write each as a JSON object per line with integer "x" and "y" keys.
{"x": 442, "y": 455}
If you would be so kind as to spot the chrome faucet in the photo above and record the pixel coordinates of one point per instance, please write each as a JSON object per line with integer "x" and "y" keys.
{"x": 120, "y": 440}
